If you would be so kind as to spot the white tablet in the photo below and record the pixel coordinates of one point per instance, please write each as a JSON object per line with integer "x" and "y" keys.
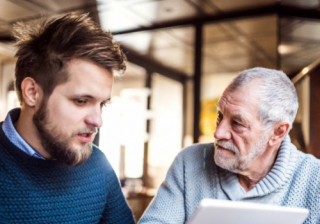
{"x": 213, "y": 211}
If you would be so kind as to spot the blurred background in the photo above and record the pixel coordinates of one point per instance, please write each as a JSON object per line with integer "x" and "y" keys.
{"x": 181, "y": 56}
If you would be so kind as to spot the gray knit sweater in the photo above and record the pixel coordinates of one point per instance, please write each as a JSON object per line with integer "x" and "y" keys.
{"x": 294, "y": 181}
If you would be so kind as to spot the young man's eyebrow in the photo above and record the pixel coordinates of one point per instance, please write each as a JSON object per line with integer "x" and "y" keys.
{"x": 82, "y": 95}
{"x": 89, "y": 96}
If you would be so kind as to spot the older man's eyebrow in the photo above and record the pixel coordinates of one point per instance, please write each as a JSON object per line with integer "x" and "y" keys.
{"x": 240, "y": 118}
{"x": 218, "y": 108}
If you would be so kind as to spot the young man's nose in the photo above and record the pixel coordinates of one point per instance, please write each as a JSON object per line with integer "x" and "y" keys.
{"x": 223, "y": 131}
{"x": 94, "y": 117}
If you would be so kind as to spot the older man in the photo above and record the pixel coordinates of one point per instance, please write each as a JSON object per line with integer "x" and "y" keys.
{"x": 252, "y": 159}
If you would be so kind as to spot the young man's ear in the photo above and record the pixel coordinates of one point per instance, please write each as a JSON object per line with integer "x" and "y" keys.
{"x": 31, "y": 92}
{"x": 280, "y": 130}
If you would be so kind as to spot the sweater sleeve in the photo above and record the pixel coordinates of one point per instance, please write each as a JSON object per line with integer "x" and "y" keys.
{"x": 168, "y": 205}
{"x": 117, "y": 210}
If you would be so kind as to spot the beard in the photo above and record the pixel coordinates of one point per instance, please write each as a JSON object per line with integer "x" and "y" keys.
{"x": 57, "y": 144}
{"x": 238, "y": 162}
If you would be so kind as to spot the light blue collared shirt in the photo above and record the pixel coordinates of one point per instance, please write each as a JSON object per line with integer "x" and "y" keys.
{"x": 13, "y": 135}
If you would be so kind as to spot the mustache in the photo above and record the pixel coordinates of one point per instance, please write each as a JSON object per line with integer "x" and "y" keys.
{"x": 227, "y": 145}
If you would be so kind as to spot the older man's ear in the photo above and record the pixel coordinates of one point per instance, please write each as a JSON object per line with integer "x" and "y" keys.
{"x": 279, "y": 131}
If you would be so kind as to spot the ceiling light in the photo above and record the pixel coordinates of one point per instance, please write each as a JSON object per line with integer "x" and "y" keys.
{"x": 305, "y": 70}
{"x": 283, "y": 49}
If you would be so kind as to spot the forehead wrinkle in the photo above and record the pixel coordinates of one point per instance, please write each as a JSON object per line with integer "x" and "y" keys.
{"x": 237, "y": 116}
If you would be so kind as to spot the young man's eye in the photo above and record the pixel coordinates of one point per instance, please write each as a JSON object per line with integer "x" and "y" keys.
{"x": 80, "y": 102}
{"x": 104, "y": 103}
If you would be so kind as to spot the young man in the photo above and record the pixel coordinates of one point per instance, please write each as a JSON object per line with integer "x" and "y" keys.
{"x": 252, "y": 158}
{"x": 49, "y": 170}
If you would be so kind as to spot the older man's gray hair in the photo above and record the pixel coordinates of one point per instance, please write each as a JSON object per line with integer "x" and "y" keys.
{"x": 277, "y": 94}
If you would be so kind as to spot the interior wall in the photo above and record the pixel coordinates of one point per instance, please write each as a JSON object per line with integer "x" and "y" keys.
{"x": 112, "y": 131}
{"x": 302, "y": 119}
{"x": 314, "y": 147}
{"x": 166, "y": 127}
{"x": 189, "y": 111}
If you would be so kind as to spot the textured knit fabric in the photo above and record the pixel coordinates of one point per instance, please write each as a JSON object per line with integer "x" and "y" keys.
{"x": 294, "y": 181}
{"x": 42, "y": 191}
{"x": 14, "y": 136}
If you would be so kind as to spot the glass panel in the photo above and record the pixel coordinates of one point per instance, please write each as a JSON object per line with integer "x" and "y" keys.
{"x": 123, "y": 134}
{"x": 166, "y": 126}
{"x": 139, "y": 41}
{"x": 219, "y": 6}
{"x": 300, "y": 44}
{"x": 310, "y": 4}
{"x": 229, "y": 48}
{"x": 174, "y": 48}
{"x": 62, "y": 5}
{"x": 162, "y": 11}
{"x": 171, "y": 47}
{"x": 134, "y": 120}
{"x": 300, "y": 133}
{"x": 11, "y": 12}
{"x": 240, "y": 44}
{"x": 117, "y": 15}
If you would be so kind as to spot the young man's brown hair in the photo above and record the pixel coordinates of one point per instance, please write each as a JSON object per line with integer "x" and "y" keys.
{"x": 44, "y": 50}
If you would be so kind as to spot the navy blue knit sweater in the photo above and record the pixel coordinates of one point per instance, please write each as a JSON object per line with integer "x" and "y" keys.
{"x": 41, "y": 191}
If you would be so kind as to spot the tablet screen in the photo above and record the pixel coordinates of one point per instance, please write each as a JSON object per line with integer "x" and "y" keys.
{"x": 213, "y": 211}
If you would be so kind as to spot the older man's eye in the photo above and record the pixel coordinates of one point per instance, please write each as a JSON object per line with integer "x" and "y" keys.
{"x": 237, "y": 123}
{"x": 219, "y": 118}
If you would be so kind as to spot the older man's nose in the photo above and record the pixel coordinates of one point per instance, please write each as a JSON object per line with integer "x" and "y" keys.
{"x": 222, "y": 131}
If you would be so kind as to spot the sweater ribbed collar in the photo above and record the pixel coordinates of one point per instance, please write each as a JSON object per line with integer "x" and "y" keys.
{"x": 280, "y": 173}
